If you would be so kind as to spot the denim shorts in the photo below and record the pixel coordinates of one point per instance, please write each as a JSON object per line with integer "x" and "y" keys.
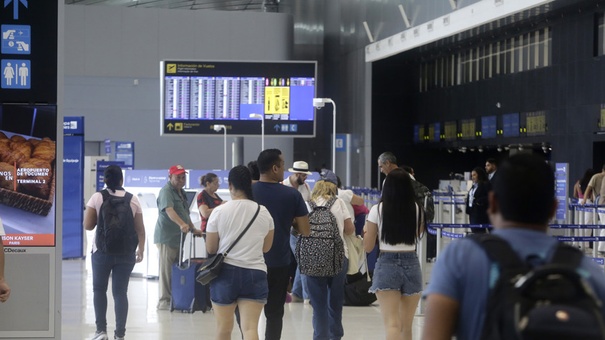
{"x": 397, "y": 271}
{"x": 236, "y": 283}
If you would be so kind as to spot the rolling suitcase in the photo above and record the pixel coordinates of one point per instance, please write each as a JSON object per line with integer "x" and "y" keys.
{"x": 187, "y": 294}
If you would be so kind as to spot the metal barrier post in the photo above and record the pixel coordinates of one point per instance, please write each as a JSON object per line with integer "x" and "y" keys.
{"x": 439, "y": 243}
{"x": 595, "y": 244}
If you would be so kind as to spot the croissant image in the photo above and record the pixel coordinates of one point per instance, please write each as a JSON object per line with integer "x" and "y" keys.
{"x": 19, "y": 152}
{"x": 44, "y": 150}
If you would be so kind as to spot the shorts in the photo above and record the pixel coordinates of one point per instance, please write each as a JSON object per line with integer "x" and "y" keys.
{"x": 236, "y": 283}
{"x": 397, "y": 271}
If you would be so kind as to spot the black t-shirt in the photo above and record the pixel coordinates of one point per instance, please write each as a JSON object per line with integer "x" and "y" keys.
{"x": 284, "y": 203}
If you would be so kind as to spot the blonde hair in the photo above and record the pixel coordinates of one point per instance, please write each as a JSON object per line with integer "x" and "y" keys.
{"x": 324, "y": 189}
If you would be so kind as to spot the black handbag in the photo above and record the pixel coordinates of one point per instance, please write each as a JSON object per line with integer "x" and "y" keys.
{"x": 212, "y": 268}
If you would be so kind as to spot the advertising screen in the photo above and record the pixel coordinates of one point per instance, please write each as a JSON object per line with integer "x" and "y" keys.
{"x": 197, "y": 95}
{"x": 27, "y": 174}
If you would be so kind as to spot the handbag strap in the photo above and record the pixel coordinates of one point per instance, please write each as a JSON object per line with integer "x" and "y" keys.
{"x": 243, "y": 232}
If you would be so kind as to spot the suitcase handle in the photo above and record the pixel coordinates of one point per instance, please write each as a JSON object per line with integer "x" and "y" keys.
{"x": 191, "y": 250}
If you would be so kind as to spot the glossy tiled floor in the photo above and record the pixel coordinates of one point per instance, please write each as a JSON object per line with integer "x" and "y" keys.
{"x": 144, "y": 322}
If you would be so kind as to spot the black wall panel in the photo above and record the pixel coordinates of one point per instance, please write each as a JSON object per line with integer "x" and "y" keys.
{"x": 570, "y": 90}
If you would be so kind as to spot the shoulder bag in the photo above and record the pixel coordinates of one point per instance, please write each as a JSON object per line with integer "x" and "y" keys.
{"x": 212, "y": 268}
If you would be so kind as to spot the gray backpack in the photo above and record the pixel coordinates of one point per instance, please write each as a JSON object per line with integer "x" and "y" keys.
{"x": 322, "y": 253}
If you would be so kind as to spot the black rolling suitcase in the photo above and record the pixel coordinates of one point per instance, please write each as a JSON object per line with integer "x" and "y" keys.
{"x": 187, "y": 294}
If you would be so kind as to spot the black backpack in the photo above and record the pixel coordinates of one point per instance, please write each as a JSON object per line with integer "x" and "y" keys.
{"x": 115, "y": 227}
{"x": 321, "y": 253}
{"x": 547, "y": 301}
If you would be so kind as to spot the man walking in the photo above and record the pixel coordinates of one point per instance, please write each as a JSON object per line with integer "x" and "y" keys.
{"x": 286, "y": 205}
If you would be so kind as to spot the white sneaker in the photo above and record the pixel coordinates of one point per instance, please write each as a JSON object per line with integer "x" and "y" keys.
{"x": 100, "y": 336}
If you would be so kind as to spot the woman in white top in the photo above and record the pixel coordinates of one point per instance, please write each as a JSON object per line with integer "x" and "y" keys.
{"x": 327, "y": 293}
{"x": 396, "y": 222}
{"x": 115, "y": 258}
{"x": 242, "y": 282}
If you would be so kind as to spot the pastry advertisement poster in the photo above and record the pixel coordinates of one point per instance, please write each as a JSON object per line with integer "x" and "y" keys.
{"x": 27, "y": 174}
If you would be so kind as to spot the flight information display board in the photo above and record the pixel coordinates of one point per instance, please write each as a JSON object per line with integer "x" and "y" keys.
{"x": 450, "y": 130}
{"x": 510, "y": 125}
{"x": 434, "y": 133}
{"x": 468, "y": 128}
{"x": 196, "y": 95}
{"x": 418, "y": 135}
{"x": 488, "y": 127}
{"x": 535, "y": 123}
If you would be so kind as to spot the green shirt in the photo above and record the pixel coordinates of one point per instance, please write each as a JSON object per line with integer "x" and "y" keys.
{"x": 166, "y": 231}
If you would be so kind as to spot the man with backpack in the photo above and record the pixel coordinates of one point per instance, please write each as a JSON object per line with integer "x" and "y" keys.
{"x": 518, "y": 282}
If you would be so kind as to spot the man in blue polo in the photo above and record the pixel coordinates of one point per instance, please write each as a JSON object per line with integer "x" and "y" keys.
{"x": 287, "y": 208}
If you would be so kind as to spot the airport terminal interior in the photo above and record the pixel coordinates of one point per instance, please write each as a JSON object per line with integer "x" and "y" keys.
{"x": 442, "y": 84}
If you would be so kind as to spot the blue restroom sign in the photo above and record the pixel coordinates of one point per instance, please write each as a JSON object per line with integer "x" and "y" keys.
{"x": 16, "y": 39}
{"x": 16, "y": 74}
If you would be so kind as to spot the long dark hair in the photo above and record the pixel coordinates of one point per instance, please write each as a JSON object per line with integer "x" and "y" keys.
{"x": 399, "y": 221}
{"x": 481, "y": 175}
{"x": 112, "y": 176}
{"x": 241, "y": 179}
{"x": 586, "y": 178}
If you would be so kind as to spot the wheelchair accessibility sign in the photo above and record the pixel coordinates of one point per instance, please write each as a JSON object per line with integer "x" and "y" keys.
{"x": 16, "y": 39}
{"x": 15, "y": 74}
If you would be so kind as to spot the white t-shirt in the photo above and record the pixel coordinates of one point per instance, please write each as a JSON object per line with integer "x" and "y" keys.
{"x": 229, "y": 220}
{"x": 96, "y": 200}
{"x": 339, "y": 209}
{"x": 1, "y": 228}
{"x": 347, "y": 196}
{"x": 304, "y": 189}
{"x": 374, "y": 217}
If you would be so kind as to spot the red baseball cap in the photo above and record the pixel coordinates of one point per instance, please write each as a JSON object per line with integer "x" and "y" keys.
{"x": 176, "y": 170}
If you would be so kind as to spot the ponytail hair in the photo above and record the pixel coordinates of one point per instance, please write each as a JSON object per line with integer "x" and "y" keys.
{"x": 241, "y": 179}
{"x": 209, "y": 177}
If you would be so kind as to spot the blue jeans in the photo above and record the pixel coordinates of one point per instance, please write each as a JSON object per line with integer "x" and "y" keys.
{"x": 327, "y": 296}
{"x": 299, "y": 286}
{"x": 120, "y": 266}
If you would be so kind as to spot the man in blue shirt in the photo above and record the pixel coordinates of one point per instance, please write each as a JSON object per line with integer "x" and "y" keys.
{"x": 520, "y": 206}
{"x": 285, "y": 205}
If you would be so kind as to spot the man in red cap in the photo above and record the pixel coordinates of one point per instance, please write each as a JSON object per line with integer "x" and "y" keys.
{"x": 173, "y": 219}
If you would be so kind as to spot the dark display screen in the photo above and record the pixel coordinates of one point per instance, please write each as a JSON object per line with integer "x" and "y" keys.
{"x": 196, "y": 95}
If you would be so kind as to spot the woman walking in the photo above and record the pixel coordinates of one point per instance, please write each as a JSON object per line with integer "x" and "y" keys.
{"x": 397, "y": 222}
{"x": 113, "y": 253}
{"x": 242, "y": 282}
{"x": 327, "y": 293}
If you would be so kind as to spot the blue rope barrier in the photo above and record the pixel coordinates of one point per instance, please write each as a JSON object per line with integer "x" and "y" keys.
{"x": 552, "y": 226}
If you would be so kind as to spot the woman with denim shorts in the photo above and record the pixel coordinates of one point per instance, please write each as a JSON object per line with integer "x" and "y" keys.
{"x": 242, "y": 282}
{"x": 396, "y": 222}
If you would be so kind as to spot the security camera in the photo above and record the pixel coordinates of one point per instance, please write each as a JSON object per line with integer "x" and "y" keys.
{"x": 219, "y": 127}
{"x": 318, "y": 103}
